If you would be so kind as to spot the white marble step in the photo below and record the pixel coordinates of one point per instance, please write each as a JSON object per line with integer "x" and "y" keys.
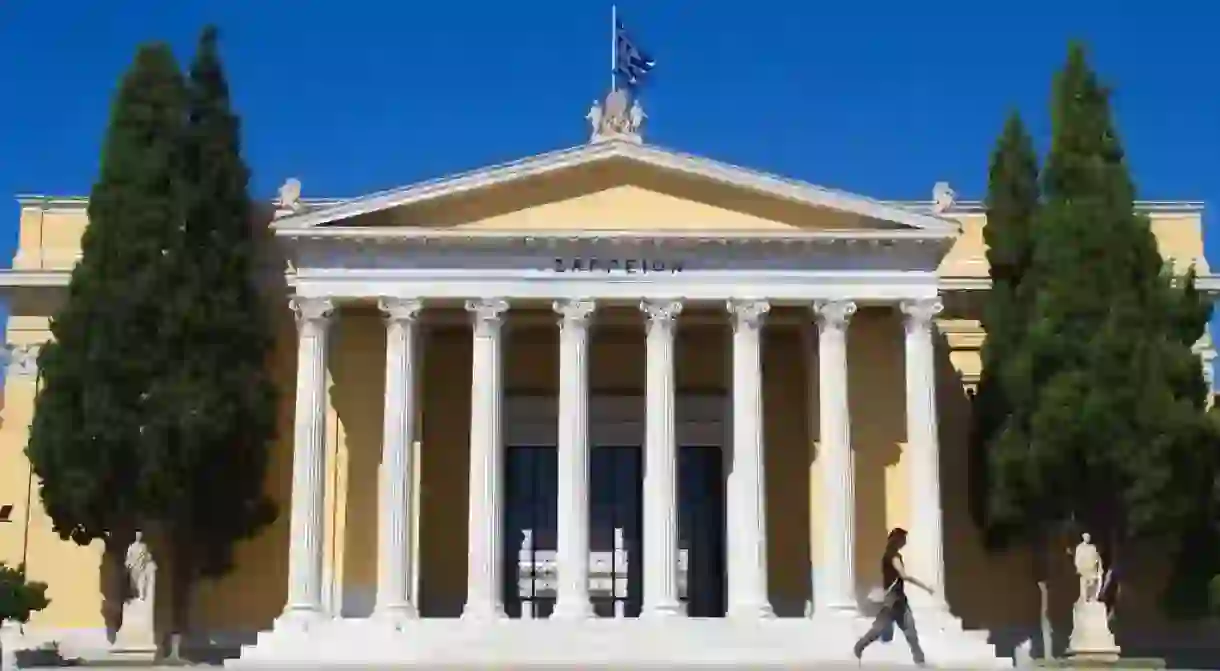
{"x": 679, "y": 641}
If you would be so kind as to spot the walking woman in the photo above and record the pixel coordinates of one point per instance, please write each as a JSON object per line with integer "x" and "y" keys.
{"x": 894, "y": 608}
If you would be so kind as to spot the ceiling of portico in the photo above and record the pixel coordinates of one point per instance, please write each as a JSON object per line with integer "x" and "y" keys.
{"x": 619, "y": 187}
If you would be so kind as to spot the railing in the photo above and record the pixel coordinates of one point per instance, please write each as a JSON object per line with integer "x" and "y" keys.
{"x": 538, "y": 574}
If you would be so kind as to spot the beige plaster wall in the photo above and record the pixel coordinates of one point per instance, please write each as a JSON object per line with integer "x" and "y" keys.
{"x": 248, "y": 599}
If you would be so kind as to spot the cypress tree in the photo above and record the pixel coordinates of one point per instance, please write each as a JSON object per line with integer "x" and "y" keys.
{"x": 1012, "y": 204}
{"x": 1193, "y": 589}
{"x": 1112, "y": 440}
{"x": 91, "y": 413}
{"x": 218, "y": 408}
{"x": 1007, "y": 505}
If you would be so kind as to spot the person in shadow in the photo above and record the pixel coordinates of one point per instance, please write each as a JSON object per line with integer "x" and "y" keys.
{"x": 894, "y": 607}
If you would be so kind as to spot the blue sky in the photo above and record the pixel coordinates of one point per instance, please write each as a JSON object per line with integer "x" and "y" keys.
{"x": 882, "y": 98}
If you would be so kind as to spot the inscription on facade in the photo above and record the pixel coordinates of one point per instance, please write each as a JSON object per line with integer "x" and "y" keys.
{"x": 593, "y": 264}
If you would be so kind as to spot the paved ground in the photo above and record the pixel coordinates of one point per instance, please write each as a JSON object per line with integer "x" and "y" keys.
{"x": 819, "y": 667}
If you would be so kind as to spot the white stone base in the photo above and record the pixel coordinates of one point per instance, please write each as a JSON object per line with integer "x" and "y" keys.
{"x": 135, "y": 640}
{"x": 1092, "y": 639}
{"x": 673, "y": 643}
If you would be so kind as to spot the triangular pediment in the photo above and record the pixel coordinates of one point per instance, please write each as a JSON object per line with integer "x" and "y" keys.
{"x": 618, "y": 186}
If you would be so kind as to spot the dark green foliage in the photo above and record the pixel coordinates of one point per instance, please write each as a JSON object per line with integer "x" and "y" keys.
{"x": 999, "y": 434}
{"x": 1193, "y": 589}
{"x": 19, "y": 598}
{"x": 91, "y": 412}
{"x": 156, "y": 409}
{"x": 1117, "y": 429}
{"x": 216, "y": 406}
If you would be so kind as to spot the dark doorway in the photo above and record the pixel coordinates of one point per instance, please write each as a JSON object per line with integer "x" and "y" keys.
{"x": 531, "y": 503}
{"x": 701, "y": 528}
{"x": 616, "y": 494}
{"x": 616, "y": 497}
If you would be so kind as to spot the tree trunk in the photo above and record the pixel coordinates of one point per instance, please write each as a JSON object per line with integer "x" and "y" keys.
{"x": 1112, "y": 576}
{"x": 182, "y": 577}
{"x": 1041, "y": 566}
{"x": 113, "y": 580}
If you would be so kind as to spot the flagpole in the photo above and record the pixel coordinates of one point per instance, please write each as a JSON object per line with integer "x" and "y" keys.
{"x": 613, "y": 47}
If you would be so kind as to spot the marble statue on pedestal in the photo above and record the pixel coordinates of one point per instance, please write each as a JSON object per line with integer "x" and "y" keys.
{"x": 136, "y": 637}
{"x": 619, "y": 117}
{"x": 1091, "y": 636}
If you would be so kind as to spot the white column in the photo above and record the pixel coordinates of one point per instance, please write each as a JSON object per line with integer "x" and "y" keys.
{"x": 747, "y": 508}
{"x": 394, "y": 569}
{"x": 572, "y": 599}
{"x": 836, "y": 592}
{"x": 483, "y": 589}
{"x": 304, "y": 605}
{"x": 660, "y": 464}
{"x": 925, "y": 553}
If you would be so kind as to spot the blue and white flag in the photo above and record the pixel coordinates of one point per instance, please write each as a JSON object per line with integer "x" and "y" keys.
{"x": 629, "y": 63}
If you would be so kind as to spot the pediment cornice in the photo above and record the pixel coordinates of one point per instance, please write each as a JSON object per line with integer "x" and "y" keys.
{"x": 886, "y": 214}
{"x": 451, "y": 251}
{"x": 404, "y": 234}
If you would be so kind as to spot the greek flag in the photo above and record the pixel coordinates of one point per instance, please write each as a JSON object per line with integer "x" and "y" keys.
{"x": 629, "y": 63}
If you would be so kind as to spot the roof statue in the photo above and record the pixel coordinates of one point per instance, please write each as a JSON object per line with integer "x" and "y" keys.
{"x": 943, "y": 197}
{"x": 619, "y": 117}
{"x": 289, "y": 199}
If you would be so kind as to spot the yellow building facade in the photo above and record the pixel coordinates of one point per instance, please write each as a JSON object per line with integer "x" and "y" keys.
{"x": 739, "y": 381}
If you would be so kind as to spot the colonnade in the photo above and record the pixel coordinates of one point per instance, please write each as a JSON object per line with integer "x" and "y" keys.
{"x": 746, "y": 525}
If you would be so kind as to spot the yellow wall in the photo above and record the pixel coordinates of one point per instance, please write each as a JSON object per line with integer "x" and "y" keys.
{"x": 250, "y": 597}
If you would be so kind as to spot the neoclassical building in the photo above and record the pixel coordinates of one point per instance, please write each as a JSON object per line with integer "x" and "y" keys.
{"x": 612, "y": 402}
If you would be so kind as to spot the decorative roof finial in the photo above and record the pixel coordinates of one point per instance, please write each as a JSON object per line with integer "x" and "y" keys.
{"x": 943, "y": 197}
{"x": 614, "y": 119}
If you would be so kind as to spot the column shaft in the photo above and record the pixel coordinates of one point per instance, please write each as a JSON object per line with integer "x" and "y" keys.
{"x": 660, "y": 464}
{"x": 308, "y": 463}
{"x": 925, "y": 556}
{"x": 394, "y": 569}
{"x": 747, "y": 529}
{"x": 484, "y": 599}
{"x": 572, "y": 600}
{"x": 837, "y": 589}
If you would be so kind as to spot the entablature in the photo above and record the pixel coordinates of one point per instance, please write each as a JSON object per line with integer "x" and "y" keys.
{"x": 613, "y": 252}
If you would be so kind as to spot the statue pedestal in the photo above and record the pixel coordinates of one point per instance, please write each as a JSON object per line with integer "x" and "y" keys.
{"x": 1092, "y": 639}
{"x": 136, "y": 639}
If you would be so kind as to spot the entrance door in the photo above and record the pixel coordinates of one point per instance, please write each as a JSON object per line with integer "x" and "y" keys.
{"x": 616, "y": 496}
{"x": 531, "y": 502}
{"x": 616, "y": 487}
{"x": 701, "y": 529}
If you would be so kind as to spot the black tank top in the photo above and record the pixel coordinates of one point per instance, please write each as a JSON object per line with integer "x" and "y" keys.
{"x": 889, "y": 575}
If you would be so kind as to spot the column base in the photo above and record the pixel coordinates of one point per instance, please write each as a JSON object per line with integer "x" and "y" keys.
{"x": 575, "y": 609}
{"x": 751, "y": 611}
{"x": 484, "y": 613}
{"x": 299, "y": 619}
{"x": 662, "y": 611}
{"x": 394, "y": 617}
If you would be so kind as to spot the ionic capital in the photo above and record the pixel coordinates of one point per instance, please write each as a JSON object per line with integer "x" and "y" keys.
{"x": 834, "y": 314}
{"x": 748, "y": 313}
{"x": 920, "y": 312}
{"x": 488, "y": 313}
{"x": 23, "y": 359}
{"x": 311, "y": 311}
{"x": 575, "y": 312}
{"x": 398, "y": 310}
{"x": 661, "y": 312}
